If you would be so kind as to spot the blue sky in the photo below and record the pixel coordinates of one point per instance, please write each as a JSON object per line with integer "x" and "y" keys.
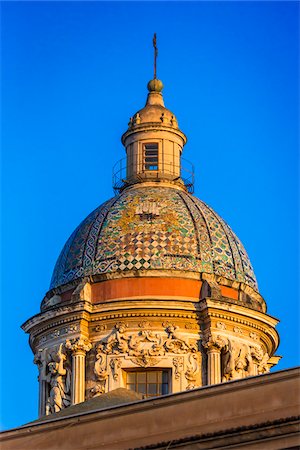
{"x": 72, "y": 75}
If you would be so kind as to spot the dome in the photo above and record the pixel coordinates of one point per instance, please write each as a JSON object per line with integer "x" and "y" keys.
{"x": 153, "y": 228}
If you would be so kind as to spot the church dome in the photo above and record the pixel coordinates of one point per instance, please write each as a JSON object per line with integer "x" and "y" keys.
{"x": 153, "y": 228}
{"x": 153, "y": 292}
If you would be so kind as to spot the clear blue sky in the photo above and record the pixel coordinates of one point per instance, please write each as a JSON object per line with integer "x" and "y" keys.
{"x": 73, "y": 74}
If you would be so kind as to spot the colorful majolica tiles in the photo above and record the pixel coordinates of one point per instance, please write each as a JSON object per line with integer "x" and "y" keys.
{"x": 153, "y": 228}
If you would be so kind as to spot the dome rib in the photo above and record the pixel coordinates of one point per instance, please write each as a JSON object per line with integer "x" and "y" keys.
{"x": 219, "y": 218}
{"x": 193, "y": 220}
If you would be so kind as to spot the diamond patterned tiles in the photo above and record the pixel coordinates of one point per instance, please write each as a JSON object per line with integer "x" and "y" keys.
{"x": 153, "y": 228}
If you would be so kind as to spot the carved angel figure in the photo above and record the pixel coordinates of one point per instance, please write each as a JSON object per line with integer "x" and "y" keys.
{"x": 118, "y": 341}
{"x": 60, "y": 382}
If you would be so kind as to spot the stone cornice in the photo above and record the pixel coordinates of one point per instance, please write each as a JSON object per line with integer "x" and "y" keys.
{"x": 150, "y": 127}
{"x": 211, "y": 305}
{"x": 60, "y": 311}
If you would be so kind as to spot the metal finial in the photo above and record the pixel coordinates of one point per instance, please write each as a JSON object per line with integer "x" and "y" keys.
{"x": 155, "y": 54}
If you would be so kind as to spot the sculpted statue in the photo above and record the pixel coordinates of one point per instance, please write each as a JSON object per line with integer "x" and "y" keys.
{"x": 60, "y": 383}
{"x": 237, "y": 361}
{"x": 261, "y": 359}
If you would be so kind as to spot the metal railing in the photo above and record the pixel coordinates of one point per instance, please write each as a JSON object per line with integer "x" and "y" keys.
{"x": 183, "y": 173}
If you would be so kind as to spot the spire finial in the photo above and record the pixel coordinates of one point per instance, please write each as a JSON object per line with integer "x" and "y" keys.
{"x": 155, "y": 54}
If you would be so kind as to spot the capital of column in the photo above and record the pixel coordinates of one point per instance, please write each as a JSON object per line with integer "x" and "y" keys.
{"x": 78, "y": 346}
{"x": 214, "y": 344}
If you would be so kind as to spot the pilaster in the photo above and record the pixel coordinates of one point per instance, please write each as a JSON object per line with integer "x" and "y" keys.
{"x": 78, "y": 347}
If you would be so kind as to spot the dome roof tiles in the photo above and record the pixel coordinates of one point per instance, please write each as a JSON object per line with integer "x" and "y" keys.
{"x": 153, "y": 228}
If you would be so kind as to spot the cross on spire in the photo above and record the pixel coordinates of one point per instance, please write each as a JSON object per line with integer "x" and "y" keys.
{"x": 155, "y": 54}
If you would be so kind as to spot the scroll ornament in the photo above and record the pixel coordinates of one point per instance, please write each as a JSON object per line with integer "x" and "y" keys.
{"x": 145, "y": 343}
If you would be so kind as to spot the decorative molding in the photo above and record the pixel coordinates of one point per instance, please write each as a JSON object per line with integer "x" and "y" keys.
{"x": 221, "y": 325}
{"x": 147, "y": 314}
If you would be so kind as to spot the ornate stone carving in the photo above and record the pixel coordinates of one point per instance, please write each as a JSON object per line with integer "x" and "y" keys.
{"x": 178, "y": 364}
{"x": 191, "y": 372}
{"x": 59, "y": 378}
{"x": 55, "y": 334}
{"x": 176, "y": 344}
{"x": 101, "y": 327}
{"x": 261, "y": 359}
{"x": 221, "y": 325}
{"x": 146, "y": 342}
{"x": 101, "y": 375}
{"x": 78, "y": 345}
{"x": 238, "y": 330}
{"x": 254, "y": 336}
{"x": 214, "y": 343}
{"x": 237, "y": 361}
{"x": 115, "y": 364}
{"x": 146, "y": 361}
{"x": 144, "y": 324}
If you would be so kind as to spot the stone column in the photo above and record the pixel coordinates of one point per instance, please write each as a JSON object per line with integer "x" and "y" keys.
{"x": 40, "y": 361}
{"x": 214, "y": 365}
{"x": 214, "y": 347}
{"x": 78, "y": 347}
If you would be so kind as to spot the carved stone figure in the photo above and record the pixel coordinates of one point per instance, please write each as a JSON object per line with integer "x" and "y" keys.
{"x": 261, "y": 359}
{"x": 237, "y": 361}
{"x": 60, "y": 383}
{"x": 117, "y": 342}
{"x": 191, "y": 372}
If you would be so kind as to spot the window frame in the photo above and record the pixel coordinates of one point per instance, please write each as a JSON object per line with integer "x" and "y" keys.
{"x": 162, "y": 388}
{"x": 151, "y": 160}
